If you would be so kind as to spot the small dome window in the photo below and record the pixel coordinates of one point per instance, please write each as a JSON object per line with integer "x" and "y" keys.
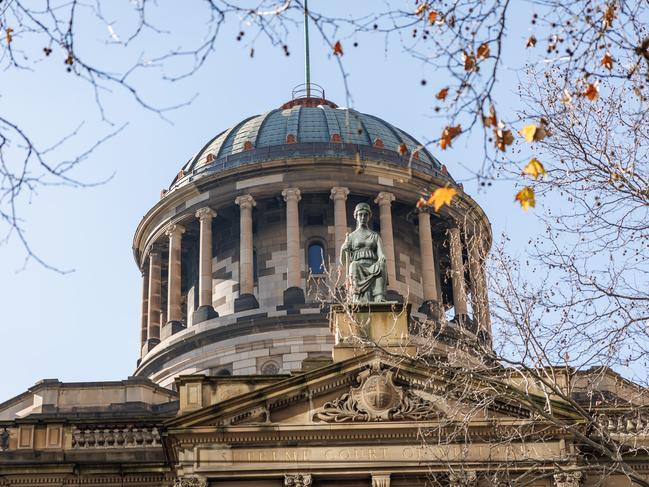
{"x": 316, "y": 258}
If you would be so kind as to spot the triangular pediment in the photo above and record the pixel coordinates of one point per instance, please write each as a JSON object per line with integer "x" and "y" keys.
{"x": 367, "y": 389}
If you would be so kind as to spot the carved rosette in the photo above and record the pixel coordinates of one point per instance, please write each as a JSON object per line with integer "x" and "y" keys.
{"x": 568, "y": 479}
{"x": 463, "y": 479}
{"x": 191, "y": 481}
{"x": 377, "y": 398}
{"x": 298, "y": 480}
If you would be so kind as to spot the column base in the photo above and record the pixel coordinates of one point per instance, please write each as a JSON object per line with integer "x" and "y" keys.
{"x": 245, "y": 302}
{"x": 149, "y": 345}
{"x": 204, "y": 313}
{"x": 432, "y": 309}
{"x": 171, "y": 328}
{"x": 294, "y": 295}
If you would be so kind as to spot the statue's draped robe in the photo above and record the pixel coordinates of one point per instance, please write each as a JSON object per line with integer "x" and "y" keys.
{"x": 366, "y": 270}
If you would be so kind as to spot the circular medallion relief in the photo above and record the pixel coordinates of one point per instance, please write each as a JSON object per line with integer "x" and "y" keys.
{"x": 378, "y": 393}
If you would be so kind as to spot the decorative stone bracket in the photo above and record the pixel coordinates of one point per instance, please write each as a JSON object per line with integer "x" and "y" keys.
{"x": 298, "y": 480}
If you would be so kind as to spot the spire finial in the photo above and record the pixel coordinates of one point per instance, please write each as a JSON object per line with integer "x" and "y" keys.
{"x": 307, "y": 63}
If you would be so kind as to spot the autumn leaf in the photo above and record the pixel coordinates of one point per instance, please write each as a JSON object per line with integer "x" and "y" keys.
{"x": 607, "y": 61}
{"x": 526, "y": 198}
{"x": 69, "y": 60}
{"x": 566, "y": 98}
{"x": 592, "y": 91}
{"x": 403, "y": 149}
{"x": 491, "y": 120}
{"x": 609, "y": 16}
{"x": 533, "y": 133}
{"x": 448, "y": 135}
{"x": 432, "y": 17}
{"x": 483, "y": 51}
{"x": 338, "y": 49}
{"x": 531, "y": 42}
{"x": 468, "y": 60}
{"x": 441, "y": 94}
{"x": 10, "y": 36}
{"x": 421, "y": 202}
{"x": 441, "y": 197}
{"x": 534, "y": 168}
{"x": 421, "y": 9}
{"x": 503, "y": 137}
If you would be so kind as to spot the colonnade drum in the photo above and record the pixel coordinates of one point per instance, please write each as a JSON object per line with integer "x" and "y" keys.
{"x": 238, "y": 256}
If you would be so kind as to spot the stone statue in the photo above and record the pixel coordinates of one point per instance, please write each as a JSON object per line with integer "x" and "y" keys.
{"x": 363, "y": 258}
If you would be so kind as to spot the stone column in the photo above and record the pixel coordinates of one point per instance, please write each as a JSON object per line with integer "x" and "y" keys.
{"x": 339, "y": 197}
{"x": 382, "y": 480}
{"x": 298, "y": 480}
{"x": 154, "y": 302}
{"x": 205, "y": 309}
{"x": 144, "y": 322}
{"x": 384, "y": 200}
{"x": 246, "y": 299}
{"x": 431, "y": 305}
{"x": 294, "y": 293}
{"x": 479, "y": 294}
{"x": 457, "y": 274}
{"x": 174, "y": 315}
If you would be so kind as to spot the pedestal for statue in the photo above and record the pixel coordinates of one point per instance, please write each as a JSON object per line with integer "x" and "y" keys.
{"x": 360, "y": 328}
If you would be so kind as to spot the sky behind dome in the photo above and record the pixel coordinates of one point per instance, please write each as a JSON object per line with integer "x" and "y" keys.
{"x": 84, "y": 325}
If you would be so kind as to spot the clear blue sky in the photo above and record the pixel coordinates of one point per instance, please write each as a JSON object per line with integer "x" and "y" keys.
{"x": 85, "y": 325}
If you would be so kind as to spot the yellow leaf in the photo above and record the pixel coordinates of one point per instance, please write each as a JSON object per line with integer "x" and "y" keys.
{"x": 441, "y": 197}
{"x": 483, "y": 51}
{"x": 534, "y": 168}
{"x": 441, "y": 95}
{"x": 526, "y": 198}
{"x": 338, "y": 49}
{"x": 528, "y": 132}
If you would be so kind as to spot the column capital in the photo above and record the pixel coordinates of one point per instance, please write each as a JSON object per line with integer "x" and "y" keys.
{"x": 206, "y": 213}
{"x": 339, "y": 193}
{"x": 384, "y": 198}
{"x": 174, "y": 230}
{"x": 298, "y": 480}
{"x": 291, "y": 194}
{"x": 245, "y": 201}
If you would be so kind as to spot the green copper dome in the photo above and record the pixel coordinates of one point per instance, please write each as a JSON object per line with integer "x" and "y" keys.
{"x": 303, "y": 129}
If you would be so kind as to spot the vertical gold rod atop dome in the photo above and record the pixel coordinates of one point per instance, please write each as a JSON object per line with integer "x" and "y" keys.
{"x": 307, "y": 62}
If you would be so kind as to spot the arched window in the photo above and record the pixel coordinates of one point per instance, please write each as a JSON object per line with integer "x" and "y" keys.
{"x": 315, "y": 255}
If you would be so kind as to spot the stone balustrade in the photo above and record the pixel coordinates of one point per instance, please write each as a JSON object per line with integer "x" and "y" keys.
{"x": 115, "y": 436}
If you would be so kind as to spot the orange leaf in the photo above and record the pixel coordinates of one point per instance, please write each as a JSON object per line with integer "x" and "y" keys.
{"x": 441, "y": 197}
{"x": 403, "y": 149}
{"x": 491, "y": 120}
{"x": 448, "y": 135}
{"x": 10, "y": 36}
{"x": 607, "y": 61}
{"x": 592, "y": 91}
{"x": 534, "y": 168}
{"x": 432, "y": 17}
{"x": 441, "y": 94}
{"x": 526, "y": 198}
{"x": 338, "y": 49}
{"x": 483, "y": 51}
{"x": 609, "y": 16}
{"x": 503, "y": 137}
{"x": 468, "y": 60}
{"x": 531, "y": 42}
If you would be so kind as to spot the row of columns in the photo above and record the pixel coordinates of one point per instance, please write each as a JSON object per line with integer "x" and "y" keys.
{"x": 294, "y": 294}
